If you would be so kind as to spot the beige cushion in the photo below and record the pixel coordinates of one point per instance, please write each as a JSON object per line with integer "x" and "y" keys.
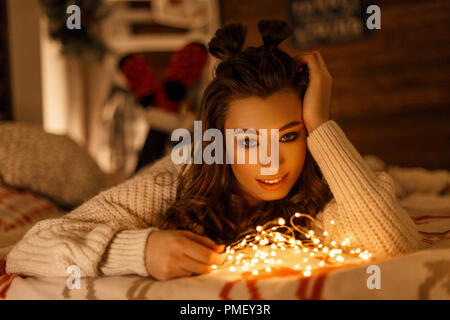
{"x": 53, "y": 166}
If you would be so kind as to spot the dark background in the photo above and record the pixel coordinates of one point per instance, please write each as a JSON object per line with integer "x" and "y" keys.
{"x": 5, "y": 89}
{"x": 390, "y": 89}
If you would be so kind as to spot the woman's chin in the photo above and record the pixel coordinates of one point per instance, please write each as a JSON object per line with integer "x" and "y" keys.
{"x": 274, "y": 195}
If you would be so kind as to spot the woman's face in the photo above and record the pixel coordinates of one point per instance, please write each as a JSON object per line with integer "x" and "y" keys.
{"x": 283, "y": 111}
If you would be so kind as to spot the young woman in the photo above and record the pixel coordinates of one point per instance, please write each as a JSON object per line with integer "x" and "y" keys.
{"x": 173, "y": 220}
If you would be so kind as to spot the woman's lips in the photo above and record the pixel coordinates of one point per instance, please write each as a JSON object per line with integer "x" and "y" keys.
{"x": 272, "y": 183}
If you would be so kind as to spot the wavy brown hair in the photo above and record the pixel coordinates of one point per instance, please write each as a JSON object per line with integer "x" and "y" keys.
{"x": 207, "y": 199}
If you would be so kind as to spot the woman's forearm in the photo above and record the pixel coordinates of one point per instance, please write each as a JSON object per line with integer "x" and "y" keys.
{"x": 364, "y": 207}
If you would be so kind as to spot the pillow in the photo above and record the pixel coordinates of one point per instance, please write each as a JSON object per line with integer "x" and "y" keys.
{"x": 50, "y": 165}
{"x": 19, "y": 211}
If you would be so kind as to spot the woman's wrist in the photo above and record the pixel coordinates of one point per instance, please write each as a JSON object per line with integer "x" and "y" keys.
{"x": 126, "y": 253}
{"x": 316, "y": 124}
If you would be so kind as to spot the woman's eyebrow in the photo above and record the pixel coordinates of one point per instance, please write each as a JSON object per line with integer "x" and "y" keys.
{"x": 289, "y": 125}
{"x": 285, "y": 127}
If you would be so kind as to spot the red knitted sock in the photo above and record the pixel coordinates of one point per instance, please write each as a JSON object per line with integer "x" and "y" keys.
{"x": 162, "y": 101}
{"x": 142, "y": 80}
{"x": 184, "y": 70}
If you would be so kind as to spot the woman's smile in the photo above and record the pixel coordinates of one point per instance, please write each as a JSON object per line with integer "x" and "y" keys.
{"x": 273, "y": 183}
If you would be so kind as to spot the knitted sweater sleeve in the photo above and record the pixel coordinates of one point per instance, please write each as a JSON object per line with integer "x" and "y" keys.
{"x": 364, "y": 208}
{"x": 104, "y": 236}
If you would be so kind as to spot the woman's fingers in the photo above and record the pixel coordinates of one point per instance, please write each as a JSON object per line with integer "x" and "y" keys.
{"x": 311, "y": 61}
{"x": 203, "y": 240}
{"x": 203, "y": 254}
{"x": 173, "y": 253}
{"x": 322, "y": 64}
{"x": 319, "y": 58}
{"x": 314, "y": 60}
{"x": 193, "y": 266}
{"x": 200, "y": 239}
{"x": 182, "y": 272}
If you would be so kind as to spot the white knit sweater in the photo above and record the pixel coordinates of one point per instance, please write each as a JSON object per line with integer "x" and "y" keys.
{"x": 107, "y": 235}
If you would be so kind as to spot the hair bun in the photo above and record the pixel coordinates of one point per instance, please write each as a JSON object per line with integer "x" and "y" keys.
{"x": 228, "y": 41}
{"x": 273, "y": 32}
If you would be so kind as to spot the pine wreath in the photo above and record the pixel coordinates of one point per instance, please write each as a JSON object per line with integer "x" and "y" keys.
{"x": 81, "y": 42}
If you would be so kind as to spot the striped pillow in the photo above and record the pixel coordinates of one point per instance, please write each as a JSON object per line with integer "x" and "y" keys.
{"x": 19, "y": 211}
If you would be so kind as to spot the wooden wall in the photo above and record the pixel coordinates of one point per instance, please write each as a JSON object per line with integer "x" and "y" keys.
{"x": 391, "y": 90}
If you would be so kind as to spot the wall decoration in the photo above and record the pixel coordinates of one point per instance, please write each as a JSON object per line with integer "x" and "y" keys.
{"x": 81, "y": 42}
{"x": 319, "y": 22}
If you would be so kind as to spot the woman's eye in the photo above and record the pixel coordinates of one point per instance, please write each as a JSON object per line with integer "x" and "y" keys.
{"x": 291, "y": 136}
{"x": 251, "y": 142}
{"x": 248, "y": 143}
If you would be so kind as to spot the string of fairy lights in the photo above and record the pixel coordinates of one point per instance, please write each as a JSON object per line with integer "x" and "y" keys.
{"x": 262, "y": 249}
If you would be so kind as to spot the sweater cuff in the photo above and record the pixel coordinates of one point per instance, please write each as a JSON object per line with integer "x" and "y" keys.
{"x": 344, "y": 169}
{"x": 126, "y": 253}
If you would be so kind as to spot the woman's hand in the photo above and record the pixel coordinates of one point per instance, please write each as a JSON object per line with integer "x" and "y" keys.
{"x": 316, "y": 102}
{"x": 174, "y": 253}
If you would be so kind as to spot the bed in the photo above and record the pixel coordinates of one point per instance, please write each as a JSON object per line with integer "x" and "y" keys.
{"x": 29, "y": 158}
